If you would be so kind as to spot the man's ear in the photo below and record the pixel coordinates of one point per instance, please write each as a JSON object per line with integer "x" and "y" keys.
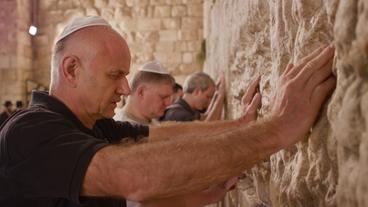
{"x": 69, "y": 67}
{"x": 196, "y": 91}
{"x": 141, "y": 90}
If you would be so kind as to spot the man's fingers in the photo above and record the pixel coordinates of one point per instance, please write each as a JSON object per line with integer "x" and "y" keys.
{"x": 220, "y": 79}
{"x": 220, "y": 85}
{"x": 323, "y": 90}
{"x": 229, "y": 184}
{"x": 305, "y": 60}
{"x": 316, "y": 63}
{"x": 288, "y": 68}
{"x": 251, "y": 90}
{"x": 250, "y": 112}
{"x": 255, "y": 104}
{"x": 319, "y": 76}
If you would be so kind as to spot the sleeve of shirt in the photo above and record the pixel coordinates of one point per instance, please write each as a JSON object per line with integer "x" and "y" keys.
{"x": 117, "y": 130}
{"x": 45, "y": 156}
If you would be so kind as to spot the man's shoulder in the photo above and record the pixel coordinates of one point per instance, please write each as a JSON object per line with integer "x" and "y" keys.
{"x": 27, "y": 130}
{"x": 177, "y": 109}
{"x": 177, "y": 113}
{"x": 179, "y": 105}
{"x": 34, "y": 121}
{"x": 33, "y": 115}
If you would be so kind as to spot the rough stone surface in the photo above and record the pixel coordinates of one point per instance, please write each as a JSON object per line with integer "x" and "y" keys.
{"x": 328, "y": 168}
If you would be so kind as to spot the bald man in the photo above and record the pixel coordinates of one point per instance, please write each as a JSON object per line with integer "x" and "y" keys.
{"x": 65, "y": 150}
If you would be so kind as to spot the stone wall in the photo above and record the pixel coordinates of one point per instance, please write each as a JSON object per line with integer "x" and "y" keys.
{"x": 246, "y": 38}
{"x": 166, "y": 30}
{"x": 15, "y": 50}
{"x": 7, "y": 49}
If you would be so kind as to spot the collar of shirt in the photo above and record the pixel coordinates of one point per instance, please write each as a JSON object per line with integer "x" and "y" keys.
{"x": 47, "y": 101}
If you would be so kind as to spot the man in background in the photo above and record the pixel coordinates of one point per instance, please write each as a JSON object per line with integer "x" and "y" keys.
{"x": 18, "y": 105}
{"x": 200, "y": 95}
{"x": 6, "y": 111}
{"x": 151, "y": 93}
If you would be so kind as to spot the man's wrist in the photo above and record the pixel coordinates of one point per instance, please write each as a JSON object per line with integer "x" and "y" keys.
{"x": 276, "y": 129}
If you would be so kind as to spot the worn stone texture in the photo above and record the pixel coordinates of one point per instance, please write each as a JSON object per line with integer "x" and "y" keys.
{"x": 246, "y": 38}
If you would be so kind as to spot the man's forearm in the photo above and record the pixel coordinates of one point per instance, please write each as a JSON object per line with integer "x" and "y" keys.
{"x": 179, "y": 130}
{"x": 179, "y": 166}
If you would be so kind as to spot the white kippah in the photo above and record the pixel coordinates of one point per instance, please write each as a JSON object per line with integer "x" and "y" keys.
{"x": 80, "y": 23}
{"x": 154, "y": 67}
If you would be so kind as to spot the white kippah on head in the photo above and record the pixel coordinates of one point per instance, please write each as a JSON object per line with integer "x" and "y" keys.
{"x": 80, "y": 23}
{"x": 154, "y": 67}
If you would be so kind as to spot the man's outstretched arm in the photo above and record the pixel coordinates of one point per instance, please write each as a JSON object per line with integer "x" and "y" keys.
{"x": 172, "y": 167}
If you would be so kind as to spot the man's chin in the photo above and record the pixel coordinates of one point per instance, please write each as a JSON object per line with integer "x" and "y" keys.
{"x": 108, "y": 115}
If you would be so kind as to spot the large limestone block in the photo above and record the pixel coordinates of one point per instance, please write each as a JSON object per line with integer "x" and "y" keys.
{"x": 137, "y": 3}
{"x": 195, "y": 9}
{"x": 162, "y": 11}
{"x": 248, "y": 38}
{"x": 5, "y": 62}
{"x": 172, "y": 23}
{"x": 179, "y": 11}
{"x": 168, "y": 35}
{"x": 148, "y": 24}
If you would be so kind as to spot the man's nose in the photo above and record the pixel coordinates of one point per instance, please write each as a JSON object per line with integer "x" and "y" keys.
{"x": 123, "y": 87}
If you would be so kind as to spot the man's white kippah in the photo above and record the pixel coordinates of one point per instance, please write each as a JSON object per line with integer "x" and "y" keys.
{"x": 154, "y": 67}
{"x": 80, "y": 23}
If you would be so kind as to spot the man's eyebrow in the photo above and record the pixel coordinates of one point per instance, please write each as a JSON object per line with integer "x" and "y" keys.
{"x": 119, "y": 71}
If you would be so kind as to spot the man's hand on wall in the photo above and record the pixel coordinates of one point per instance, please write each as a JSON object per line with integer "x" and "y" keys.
{"x": 300, "y": 92}
{"x": 220, "y": 85}
{"x": 251, "y": 101}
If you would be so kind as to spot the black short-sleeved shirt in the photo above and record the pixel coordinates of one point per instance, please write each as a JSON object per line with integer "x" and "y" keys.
{"x": 180, "y": 111}
{"x": 45, "y": 151}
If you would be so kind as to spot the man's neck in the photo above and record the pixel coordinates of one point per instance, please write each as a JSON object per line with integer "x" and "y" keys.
{"x": 87, "y": 119}
{"x": 189, "y": 99}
